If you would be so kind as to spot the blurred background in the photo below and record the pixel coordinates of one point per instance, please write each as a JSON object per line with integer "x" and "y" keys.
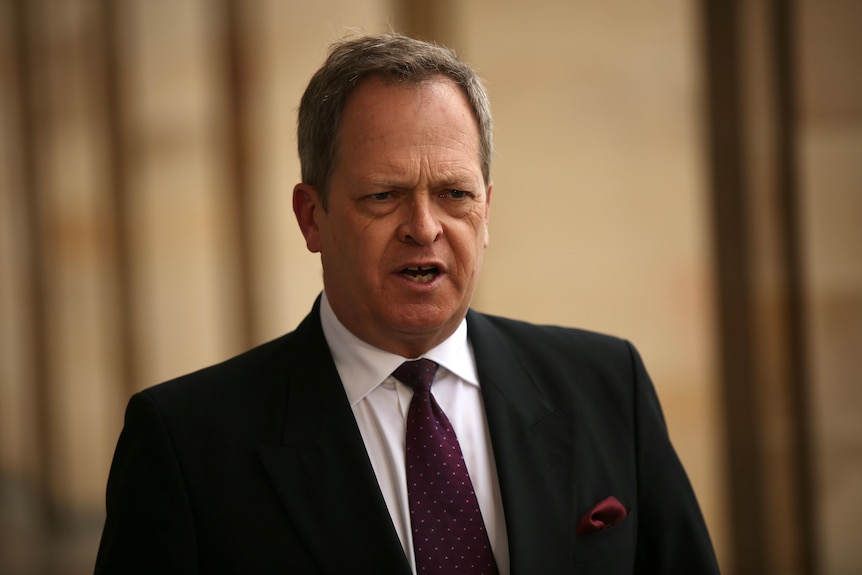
{"x": 686, "y": 174}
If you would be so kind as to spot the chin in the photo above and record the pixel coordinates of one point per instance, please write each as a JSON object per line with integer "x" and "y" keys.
{"x": 421, "y": 319}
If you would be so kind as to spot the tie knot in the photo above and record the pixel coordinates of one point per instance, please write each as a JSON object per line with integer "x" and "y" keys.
{"x": 418, "y": 374}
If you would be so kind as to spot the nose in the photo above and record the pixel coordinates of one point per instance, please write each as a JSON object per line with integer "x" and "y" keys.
{"x": 421, "y": 225}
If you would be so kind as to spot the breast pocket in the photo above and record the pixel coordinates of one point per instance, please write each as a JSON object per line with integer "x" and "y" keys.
{"x": 609, "y": 551}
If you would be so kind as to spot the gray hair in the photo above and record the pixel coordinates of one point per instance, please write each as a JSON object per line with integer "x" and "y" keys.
{"x": 395, "y": 58}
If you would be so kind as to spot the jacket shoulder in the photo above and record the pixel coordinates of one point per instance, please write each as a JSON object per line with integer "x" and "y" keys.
{"x": 545, "y": 339}
{"x": 261, "y": 362}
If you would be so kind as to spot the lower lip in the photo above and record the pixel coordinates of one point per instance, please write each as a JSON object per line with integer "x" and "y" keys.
{"x": 420, "y": 286}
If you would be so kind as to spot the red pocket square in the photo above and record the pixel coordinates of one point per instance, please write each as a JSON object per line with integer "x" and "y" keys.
{"x": 607, "y": 513}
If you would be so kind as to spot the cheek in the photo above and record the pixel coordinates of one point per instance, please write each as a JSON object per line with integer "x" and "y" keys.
{"x": 480, "y": 235}
{"x": 470, "y": 250}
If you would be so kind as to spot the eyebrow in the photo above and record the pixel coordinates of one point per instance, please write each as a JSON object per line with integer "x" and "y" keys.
{"x": 447, "y": 179}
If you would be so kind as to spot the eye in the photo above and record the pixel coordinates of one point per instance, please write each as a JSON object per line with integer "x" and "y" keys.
{"x": 381, "y": 196}
{"x": 455, "y": 194}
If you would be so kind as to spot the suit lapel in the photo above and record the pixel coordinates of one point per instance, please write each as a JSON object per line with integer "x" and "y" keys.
{"x": 321, "y": 470}
{"x": 533, "y": 446}
{"x": 325, "y": 481}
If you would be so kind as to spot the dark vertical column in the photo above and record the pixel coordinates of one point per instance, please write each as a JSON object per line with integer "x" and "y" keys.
{"x": 751, "y": 133}
{"x": 785, "y": 42}
{"x": 731, "y": 244}
{"x": 26, "y": 15}
{"x": 113, "y": 37}
{"x": 238, "y": 141}
{"x": 433, "y": 20}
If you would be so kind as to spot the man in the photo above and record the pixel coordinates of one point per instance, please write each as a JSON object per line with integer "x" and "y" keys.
{"x": 314, "y": 453}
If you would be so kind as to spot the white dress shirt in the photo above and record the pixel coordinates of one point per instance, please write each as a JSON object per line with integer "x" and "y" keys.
{"x": 380, "y": 405}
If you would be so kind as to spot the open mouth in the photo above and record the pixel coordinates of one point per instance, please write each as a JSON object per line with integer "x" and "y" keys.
{"x": 420, "y": 274}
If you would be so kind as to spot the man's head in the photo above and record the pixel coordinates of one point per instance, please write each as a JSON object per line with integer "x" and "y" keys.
{"x": 402, "y": 224}
{"x": 394, "y": 58}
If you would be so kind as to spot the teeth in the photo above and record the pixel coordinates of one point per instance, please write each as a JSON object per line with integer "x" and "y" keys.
{"x": 421, "y": 274}
{"x": 422, "y": 279}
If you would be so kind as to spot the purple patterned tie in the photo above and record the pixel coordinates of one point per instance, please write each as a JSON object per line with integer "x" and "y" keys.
{"x": 448, "y": 531}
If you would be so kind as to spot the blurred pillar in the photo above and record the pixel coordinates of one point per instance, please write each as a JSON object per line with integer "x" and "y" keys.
{"x": 830, "y": 166}
{"x": 238, "y": 82}
{"x": 72, "y": 335}
{"x": 113, "y": 37}
{"x": 25, "y": 455}
{"x": 434, "y": 20}
{"x": 751, "y": 128}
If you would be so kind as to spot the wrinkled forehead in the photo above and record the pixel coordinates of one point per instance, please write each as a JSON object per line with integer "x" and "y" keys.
{"x": 390, "y": 117}
{"x": 379, "y": 81}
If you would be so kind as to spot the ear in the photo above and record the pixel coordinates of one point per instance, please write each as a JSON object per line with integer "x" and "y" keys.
{"x": 307, "y": 208}
{"x": 488, "y": 212}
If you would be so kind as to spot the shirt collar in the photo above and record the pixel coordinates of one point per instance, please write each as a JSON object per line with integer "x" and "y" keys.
{"x": 363, "y": 367}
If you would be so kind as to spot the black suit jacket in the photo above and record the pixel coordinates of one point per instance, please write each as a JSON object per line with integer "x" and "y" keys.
{"x": 256, "y": 465}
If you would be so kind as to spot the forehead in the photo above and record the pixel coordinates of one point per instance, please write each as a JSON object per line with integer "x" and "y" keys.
{"x": 397, "y": 120}
{"x": 378, "y": 86}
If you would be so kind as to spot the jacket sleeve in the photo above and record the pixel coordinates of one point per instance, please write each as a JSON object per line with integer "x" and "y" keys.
{"x": 149, "y": 526}
{"x": 672, "y": 535}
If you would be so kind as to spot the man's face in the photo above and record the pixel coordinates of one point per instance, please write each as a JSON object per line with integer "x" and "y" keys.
{"x": 406, "y": 226}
